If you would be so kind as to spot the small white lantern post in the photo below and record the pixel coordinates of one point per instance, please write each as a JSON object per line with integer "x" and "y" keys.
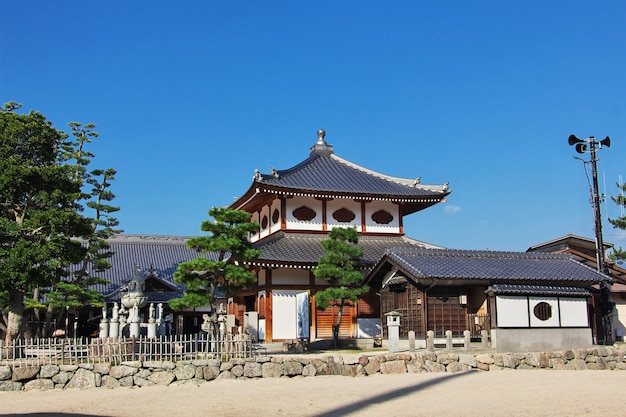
{"x": 393, "y": 330}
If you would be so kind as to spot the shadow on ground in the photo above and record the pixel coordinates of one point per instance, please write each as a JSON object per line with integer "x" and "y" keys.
{"x": 411, "y": 389}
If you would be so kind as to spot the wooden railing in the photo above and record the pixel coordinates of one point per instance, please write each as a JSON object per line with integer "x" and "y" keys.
{"x": 60, "y": 351}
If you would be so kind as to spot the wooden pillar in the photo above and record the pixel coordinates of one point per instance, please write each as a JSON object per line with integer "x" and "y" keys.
{"x": 363, "y": 219}
{"x": 324, "y": 223}
{"x": 283, "y": 212}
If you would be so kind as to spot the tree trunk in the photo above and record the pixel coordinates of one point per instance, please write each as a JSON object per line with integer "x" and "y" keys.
{"x": 337, "y": 325}
{"x": 16, "y": 316}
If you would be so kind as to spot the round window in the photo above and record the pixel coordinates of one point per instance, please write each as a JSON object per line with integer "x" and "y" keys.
{"x": 543, "y": 311}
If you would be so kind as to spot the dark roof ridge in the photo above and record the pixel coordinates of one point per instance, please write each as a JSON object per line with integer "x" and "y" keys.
{"x": 145, "y": 238}
{"x": 476, "y": 253}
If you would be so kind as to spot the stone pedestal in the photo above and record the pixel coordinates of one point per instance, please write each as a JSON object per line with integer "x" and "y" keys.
{"x": 393, "y": 330}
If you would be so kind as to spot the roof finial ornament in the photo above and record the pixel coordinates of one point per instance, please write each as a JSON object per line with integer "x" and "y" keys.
{"x": 320, "y": 137}
{"x": 321, "y": 147}
{"x": 274, "y": 172}
{"x": 257, "y": 175}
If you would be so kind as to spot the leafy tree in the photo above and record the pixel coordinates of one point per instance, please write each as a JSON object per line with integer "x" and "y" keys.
{"x": 220, "y": 268}
{"x": 43, "y": 230}
{"x": 75, "y": 291}
{"x": 339, "y": 266}
{"x": 620, "y": 223}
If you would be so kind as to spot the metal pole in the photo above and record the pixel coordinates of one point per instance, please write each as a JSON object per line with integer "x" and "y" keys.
{"x": 596, "y": 207}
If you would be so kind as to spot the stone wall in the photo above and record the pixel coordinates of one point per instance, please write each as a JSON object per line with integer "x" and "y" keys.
{"x": 142, "y": 374}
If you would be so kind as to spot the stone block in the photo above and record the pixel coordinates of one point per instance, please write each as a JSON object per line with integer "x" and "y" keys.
{"x": 456, "y": 367}
{"x": 309, "y": 370}
{"x": 162, "y": 377}
{"x": 39, "y": 384}
{"x": 252, "y": 370}
{"x": 393, "y": 367}
{"x": 431, "y": 366}
{"x": 272, "y": 370}
{"x": 109, "y": 382}
{"x": 24, "y": 373}
{"x": 348, "y": 370}
{"x": 127, "y": 381}
{"x": 236, "y": 371}
{"x": 48, "y": 371}
{"x": 11, "y": 386}
{"x": 447, "y": 358}
{"x": 102, "y": 368}
{"x": 142, "y": 382}
{"x": 61, "y": 378}
{"x": 185, "y": 371}
{"x": 467, "y": 359}
{"x": 209, "y": 373}
{"x": 82, "y": 378}
{"x": 485, "y": 358}
{"x": 227, "y": 375}
{"x": 373, "y": 366}
{"x": 292, "y": 368}
{"x": 5, "y": 372}
{"x": 122, "y": 371}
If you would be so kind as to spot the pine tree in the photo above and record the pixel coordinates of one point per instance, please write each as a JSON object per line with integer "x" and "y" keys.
{"x": 220, "y": 268}
{"x": 339, "y": 266}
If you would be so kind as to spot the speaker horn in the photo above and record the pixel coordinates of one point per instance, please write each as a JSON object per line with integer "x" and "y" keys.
{"x": 574, "y": 140}
{"x": 581, "y": 147}
{"x": 606, "y": 142}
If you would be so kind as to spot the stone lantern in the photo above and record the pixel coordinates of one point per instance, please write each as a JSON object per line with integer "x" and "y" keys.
{"x": 393, "y": 330}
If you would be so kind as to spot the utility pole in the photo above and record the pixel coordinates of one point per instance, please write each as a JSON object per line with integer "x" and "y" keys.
{"x": 582, "y": 147}
{"x": 603, "y": 307}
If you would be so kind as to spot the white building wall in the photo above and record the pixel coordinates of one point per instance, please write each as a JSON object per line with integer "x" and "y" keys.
{"x": 391, "y": 208}
{"x": 288, "y": 276}
{"x": 295, "y": 224}
{"x": 338, "y": 204}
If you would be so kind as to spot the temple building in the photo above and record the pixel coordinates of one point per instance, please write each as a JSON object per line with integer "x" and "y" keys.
{"x": 296, "y": 209}
{"x": 543, "y": 299}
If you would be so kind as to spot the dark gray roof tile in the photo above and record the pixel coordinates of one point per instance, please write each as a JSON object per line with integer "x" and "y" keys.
{"x": 491, "y": 265}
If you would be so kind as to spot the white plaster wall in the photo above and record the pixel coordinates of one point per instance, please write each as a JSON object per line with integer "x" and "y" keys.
{"x": 265, "y": 211}
{"x": 295, "y": 224}
{"x": 339, "y": 203}
{"x": 372, "y": 226}
{"x": 284, "y": 310}
{"x": 255, "y": 217}
{"x": 512, "y": 311}
{"x": 573, "y": 312}
{"x": 553, "y": 321}
{"x": 288, "y": 276}
{"x": 285, "y": 314}
{"x": 275, "y": 206}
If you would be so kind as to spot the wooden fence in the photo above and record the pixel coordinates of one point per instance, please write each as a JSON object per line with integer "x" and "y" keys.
{"x": 61, "y": 351}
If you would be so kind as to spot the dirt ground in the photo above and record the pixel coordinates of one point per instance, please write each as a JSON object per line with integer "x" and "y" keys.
{"x": 502, "y": 393}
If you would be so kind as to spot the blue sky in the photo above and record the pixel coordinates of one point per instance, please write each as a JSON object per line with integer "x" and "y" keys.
{"x": 190, "y": 97}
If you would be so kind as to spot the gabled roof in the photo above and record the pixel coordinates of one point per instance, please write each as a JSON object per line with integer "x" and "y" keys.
{"x": 157, "y": 256}
{"x": 325, "y": 175}
{"x": 487, "y": 267}
{"x": 570, "y": 241}
{"x": 303, "y": 250}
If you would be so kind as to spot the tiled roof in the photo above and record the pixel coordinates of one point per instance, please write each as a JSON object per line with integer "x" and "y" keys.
{"x": 158, "y": 255}
{"x": 490, "y": 265}
{"x": 306, "y": 249}
{"x": 332, "y": 174}
{"x": 507, "y": 289}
